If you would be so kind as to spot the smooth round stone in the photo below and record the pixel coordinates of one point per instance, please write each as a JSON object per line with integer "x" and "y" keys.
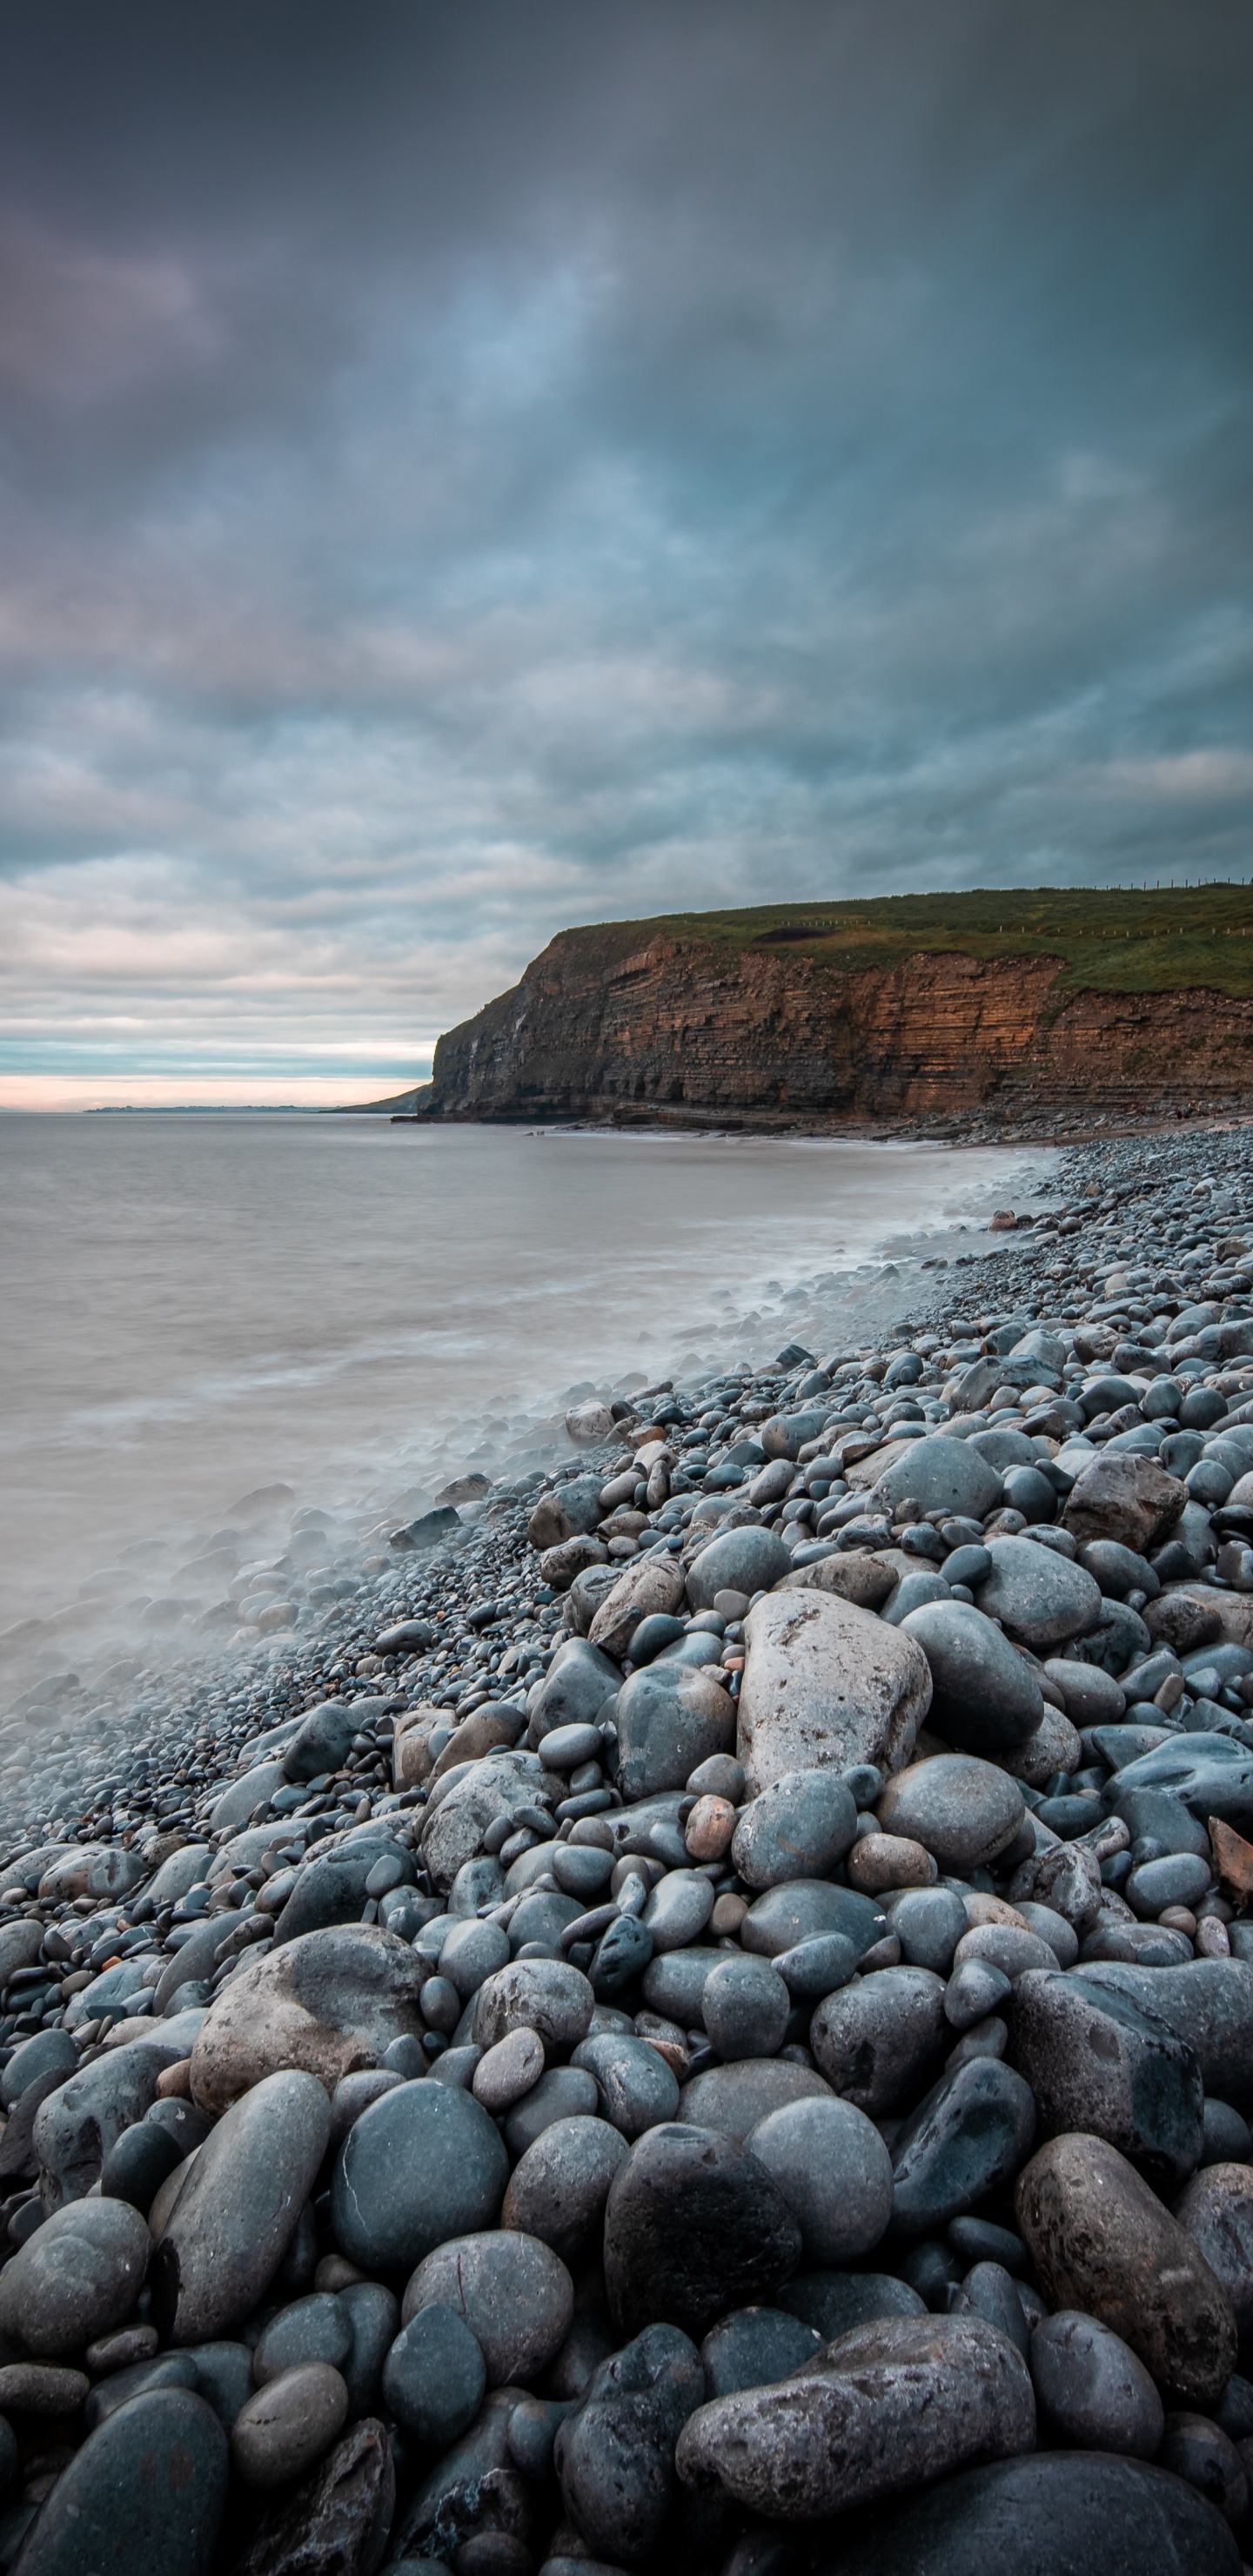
{"x": 943, "y": 1474}
{"x": 674, "y": 1984}
{"x": 138, "y": 2163}
{"x": 545, "y": 1995}
{"x": 1228, "y": 2140}
{"x": 1049, "y": 2515}
{"x": 288, "y": 2425}
{"x": 312, "y": 2329}
{"x": 967, "y": 1564}
{"x": 434, "y": 2377}
{"x": 354, "y": 2093}
{"x": 442, "y": 2005}
{"x": 721, "y": 1777}
{"x": 224, "y": 2376}
{"x": 983, "y": 1697}
{"x": 972, "y": 2134}
{"x": 615, "y": 2456}
{"x": 693, "y": 2226}
{"x": 883, "y": 1863}
{"x": 735, "y": 2098}
{"x": 1201, "y": 2453}
{"x": 321, "y": 1742}
{"x": 558, "y": 2189}
{"x": 929, "y": 1922}
{"x": 472, "y": 1952}
{"x": 963, "y": 1811}
{"x": 1061, "y": 1936}
{"x": 423, "y": 2164}
{"x": 924, "y": 1583}
{"x": 744, "y": 1560}
{"x": 1092, "y": 2387}
{"x": 635, "y": 2088}
{"x": 1039, "y": 1596}
{"x": 77, "y": 2277}
{"x": 508, "y": 2071}
{"x": 754, "y": 2348}
{"x": 1004, "y": 1946}
{"x": 47, "y": 2052}
{"x": 621, "y": 1955}
{"x": 1180, "y": 1878}
{"x": 746, "y": 2006}
{"x": 145, "y": 2492}
{"x": 834, "y": 2302}
{"x": 168, "y": 2370}
{"x": 1216, "y": 2210}
{"x": 818, "y": 1967}
{"x": 373, "y": 2315}
{"x": 564, "y": 1747}
{"x": 803, "y": 1907}
{"x": 678, "y": 1908}
{"x": 670, "y": 1718}
{"x": 797, "y": 1828}
{"x": 880, "y": 2041}
{"x": 512, "y": 2291}
{"x": 238, "y": 2209}
{"x": 834, "y": 2172}
{"x": 581, "y": 1870}
{"x": 975, "y": 1989}
{"x": 1102, "y": 2241}
{"x": 654, "y": 1633}
{"x": 564, "y": 2093}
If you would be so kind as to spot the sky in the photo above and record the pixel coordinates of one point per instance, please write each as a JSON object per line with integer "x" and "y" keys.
{"x": 467, "y": 470}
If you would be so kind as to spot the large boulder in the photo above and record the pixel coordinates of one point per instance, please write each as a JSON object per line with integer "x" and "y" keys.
{"x": 329, "y": 2002}
{"x": 826, "y": 1686}
{"x": 894, "y": 2403}
{"x": 1055, "y": 2514}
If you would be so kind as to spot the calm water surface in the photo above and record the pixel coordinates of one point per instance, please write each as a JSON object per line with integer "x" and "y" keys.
{"x": 195, "y": 1305}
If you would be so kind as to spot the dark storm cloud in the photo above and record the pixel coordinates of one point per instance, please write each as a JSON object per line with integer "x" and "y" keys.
{"x": 464, "y": 470}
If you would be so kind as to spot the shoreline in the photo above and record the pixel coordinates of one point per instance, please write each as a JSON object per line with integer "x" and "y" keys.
{"x": 663, "y": 1779}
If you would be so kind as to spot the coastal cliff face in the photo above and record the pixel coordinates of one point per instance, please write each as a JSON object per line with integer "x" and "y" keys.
{"x": 687, "y": 1026}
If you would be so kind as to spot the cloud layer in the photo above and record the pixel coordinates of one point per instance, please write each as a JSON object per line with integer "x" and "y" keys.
{"x": 468, "y": 471}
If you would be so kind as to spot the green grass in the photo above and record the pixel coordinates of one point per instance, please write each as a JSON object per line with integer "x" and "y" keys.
{"x": 1106, "y": 939}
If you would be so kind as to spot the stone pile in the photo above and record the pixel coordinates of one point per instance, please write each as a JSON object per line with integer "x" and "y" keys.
{"x": 721, "y": 2035}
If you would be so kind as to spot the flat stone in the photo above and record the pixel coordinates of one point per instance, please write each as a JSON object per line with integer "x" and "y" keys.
{"x": 854, "y": 1574}
{"x": 328, "y": 2003}
{"x": 1050, "y": 2516}
{"x": 735, "y": 2099}
{"x": 798, "y": 1827}
{"x": 559, "y": 2187}
{"x": 339, "y": 2519}
{"x": 544, "y": 1995}
{"x": 435, "y": 2376}
{"x": 1101, "y": 2241}
{"x": 1216, "y": 2211}
{"x": 1130, "y": 1500}
{"x": 76, "y": 2278}
{"x": 1091, "y": 2387}
{"x": 826, "y": 1686}
{"x": 678, "y": 1909}
{"x": 422, "y": 2165}
{"x": 512, "y": 2291}
{"x": 615, "y": 2458}
{"x": 969, "y": 2136}
{"x": 693, "y": 2226}
{"x": 943, "y": 1475}
{"x": 670, "y": 1718}
{"x": 963, "y": 1811}
{"x": 984, "y": 1699}
{"x": 817, "y": 1967}
{"x": 1096, "y": 2061}
{"x": 237, "y": 2211}
{"x": 754, "y": 2348}
{"x": 508, "y": 2071}
{"x": 802, "y": 1909}
{"x": 288, "y": 2424}
{"x": 41, "y": 2389}
{"x": 472, "y": 1952}
{"x": 648, "y": 1589}
{"x": 880, "y": 2042}
{"x": 147, "y": 2490}
{"x": 834, "y": 2172}
{"x": 893, "y": 2403}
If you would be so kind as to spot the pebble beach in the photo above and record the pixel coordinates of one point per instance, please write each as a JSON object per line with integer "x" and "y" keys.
{"x": 689, "y": 2007}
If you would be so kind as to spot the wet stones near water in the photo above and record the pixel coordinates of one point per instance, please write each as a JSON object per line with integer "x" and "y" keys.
{"x": 1096, "y": 2062}
{"x": 969, "y": 2136}
{"x": 826, "y": 1686}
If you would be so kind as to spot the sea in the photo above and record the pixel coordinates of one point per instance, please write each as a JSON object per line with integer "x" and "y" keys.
{"x": 197, "y": 1305}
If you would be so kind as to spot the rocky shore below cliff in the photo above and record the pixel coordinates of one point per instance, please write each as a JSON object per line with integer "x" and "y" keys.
{"x": 699, "y": 2013}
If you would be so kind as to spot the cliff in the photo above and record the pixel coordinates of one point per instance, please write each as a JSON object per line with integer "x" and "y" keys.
{"x": 870, "y": 1014}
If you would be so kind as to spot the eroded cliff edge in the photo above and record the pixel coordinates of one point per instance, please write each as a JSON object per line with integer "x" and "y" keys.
{"x": 603, "y": 1027}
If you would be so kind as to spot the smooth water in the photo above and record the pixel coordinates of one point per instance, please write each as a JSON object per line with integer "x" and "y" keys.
{"x": 196, "y": 1305}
